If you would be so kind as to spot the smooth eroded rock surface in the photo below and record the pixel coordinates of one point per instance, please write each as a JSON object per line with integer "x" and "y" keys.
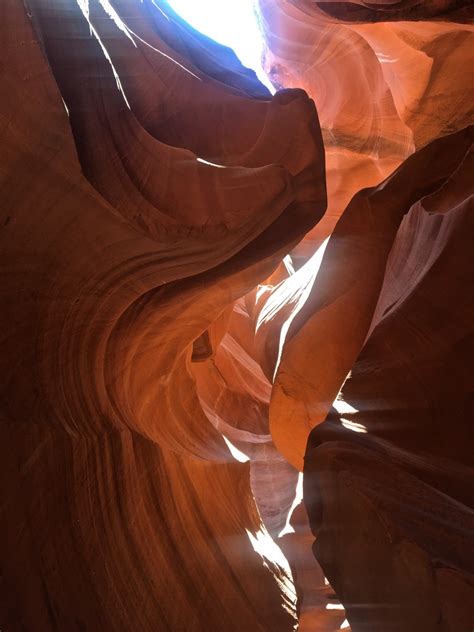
{"x": 206, "y": 290}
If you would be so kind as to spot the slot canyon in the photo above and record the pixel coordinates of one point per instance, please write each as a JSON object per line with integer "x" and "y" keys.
{"x": 237, "y": 327}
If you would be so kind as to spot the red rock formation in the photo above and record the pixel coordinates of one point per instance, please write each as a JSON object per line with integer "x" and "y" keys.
{"x": 151, "y": 324}
{"x": 122, "y": 508}
{"x": 335, "y": 319}
{"x": 388, "y": 475}
{"x": 387, "y": 77}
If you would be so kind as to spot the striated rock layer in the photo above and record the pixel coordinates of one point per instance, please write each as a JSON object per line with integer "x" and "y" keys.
{"x": 376, "y": 328}
{"x": 388, "y": 77}
{"x": 169, "y": 370}
{"x": 388, "y": 475}
{"x": 122, "y": 507}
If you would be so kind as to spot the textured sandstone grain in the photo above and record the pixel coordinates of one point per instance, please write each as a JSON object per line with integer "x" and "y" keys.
{"x": 150, "y": 192}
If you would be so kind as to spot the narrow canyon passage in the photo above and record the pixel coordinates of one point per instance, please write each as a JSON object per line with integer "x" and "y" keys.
{"x": 237, "y": 316}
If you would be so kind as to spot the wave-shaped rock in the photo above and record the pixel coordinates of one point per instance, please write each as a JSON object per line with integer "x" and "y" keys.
{"x": 122, "y": 507}
{"x": 168, "y": 367}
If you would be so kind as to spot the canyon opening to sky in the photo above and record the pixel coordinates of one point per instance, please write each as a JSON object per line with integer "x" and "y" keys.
{"x": 236, "y": 316}
{"x": 233, "y": 23}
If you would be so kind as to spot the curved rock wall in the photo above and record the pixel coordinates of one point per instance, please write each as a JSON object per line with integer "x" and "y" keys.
{"x": 122, "y": 507}
{"x": 376, "y": 350}
{"x": 165, "y": 361}
{"x": 387, "y": 78}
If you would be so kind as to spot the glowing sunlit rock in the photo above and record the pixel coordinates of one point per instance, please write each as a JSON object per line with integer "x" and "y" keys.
{"x": 186, "y": 330}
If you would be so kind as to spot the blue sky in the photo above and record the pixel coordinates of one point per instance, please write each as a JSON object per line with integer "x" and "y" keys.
{"x": 230, "y": 22}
